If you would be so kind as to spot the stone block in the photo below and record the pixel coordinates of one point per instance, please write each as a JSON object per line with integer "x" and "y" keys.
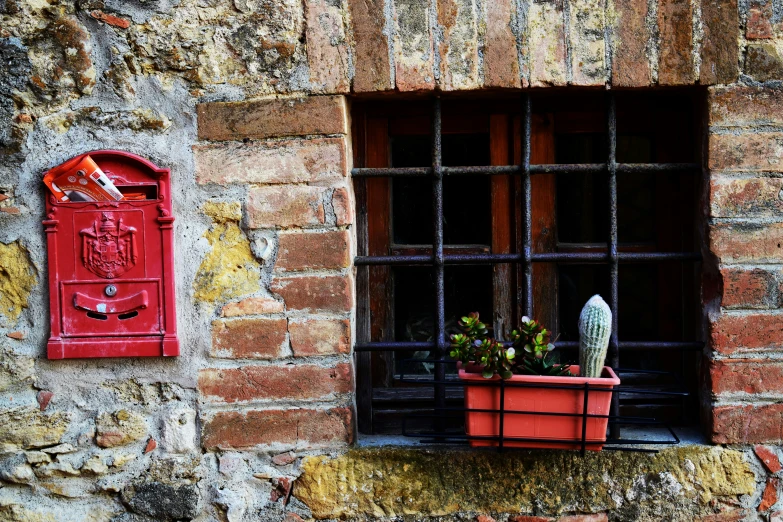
{"x": 371, "y": 46}
{"x": 743, "y": 333}
{"x": 458, "y": 46}
{"x": 501, "y": 60}
{"x": 30, "y": 428}
{"x": 313, "y": 251}
{"x": 264, "y": 383}
{"x": 759, "y": 23}
{"x": 413, "y": 46}
{"x": 746, "y": 196}
{"x": 588, "y": 45}
{"x": 328, "y": 52}
{"x": 746, "y": 376}
{"x": 546, "y": 34}
{"x": 258, "y": 338}
{"x": 319, "y": 336}
{"x": 178, "y": 429}
{"x": 271, "y": 162}
{"x": 315, "y": 293}
{"x": 286, "y": 206}
{"x": 719, "y": 48}
{"x": 747, "y": 242}
{"x": 271, "y": 118}
{"x": 253, "y": 306}
{"x": 299, "y": 428}
{"x": 754, "y": 288}
{"x": 763, "y": 61}
{"x": 739, "y": 106}
{"x": 630, "y": 62}
{"x": 675, "y": 29}
{"x": 119, "y": 428}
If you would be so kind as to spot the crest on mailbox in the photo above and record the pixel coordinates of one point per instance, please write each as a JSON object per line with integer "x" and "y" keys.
{"x": 109, "y": 247}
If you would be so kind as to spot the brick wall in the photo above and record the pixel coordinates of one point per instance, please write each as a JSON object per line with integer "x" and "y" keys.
{"x": 278, "y": 375}
{"x": 744, "y": 320}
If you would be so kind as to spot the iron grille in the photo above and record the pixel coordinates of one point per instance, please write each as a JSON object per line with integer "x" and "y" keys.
{"x": 439, "y": 259}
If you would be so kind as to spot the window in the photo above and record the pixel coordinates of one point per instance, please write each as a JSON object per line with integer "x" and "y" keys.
{"x": 525, "y": 230}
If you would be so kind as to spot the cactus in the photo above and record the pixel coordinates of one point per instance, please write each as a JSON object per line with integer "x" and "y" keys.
{"x": 595, "y": 327}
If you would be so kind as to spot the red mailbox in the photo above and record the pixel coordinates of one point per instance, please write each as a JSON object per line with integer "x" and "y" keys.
{"x": 111, "y": 266}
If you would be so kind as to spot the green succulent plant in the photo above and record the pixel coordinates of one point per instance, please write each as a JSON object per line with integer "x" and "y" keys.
{"x": 531, "y": 340}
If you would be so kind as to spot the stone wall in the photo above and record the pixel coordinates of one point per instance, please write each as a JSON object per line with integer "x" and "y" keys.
{"x": 247, "y": 102}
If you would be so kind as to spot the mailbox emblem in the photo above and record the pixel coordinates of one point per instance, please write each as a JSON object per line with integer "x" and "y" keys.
{"x": 109, "y": 247}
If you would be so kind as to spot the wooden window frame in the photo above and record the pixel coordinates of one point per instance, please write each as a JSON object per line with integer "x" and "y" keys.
{"x": 372, "y": 126}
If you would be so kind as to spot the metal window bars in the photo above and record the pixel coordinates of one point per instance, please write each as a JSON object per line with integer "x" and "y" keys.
{"x": 613, "y": 257}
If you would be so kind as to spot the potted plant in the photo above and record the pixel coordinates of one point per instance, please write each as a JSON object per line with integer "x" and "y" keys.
{"x": 533, "y": 383}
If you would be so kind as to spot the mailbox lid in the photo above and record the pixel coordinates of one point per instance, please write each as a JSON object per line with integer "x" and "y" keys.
{"x": 134, "y": 308}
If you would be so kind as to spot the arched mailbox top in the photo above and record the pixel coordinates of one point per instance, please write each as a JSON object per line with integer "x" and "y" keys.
{"x": 131, "y": 174}
{"x": 127, "y": 166}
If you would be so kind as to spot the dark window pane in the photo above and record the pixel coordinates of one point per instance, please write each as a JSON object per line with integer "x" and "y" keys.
{"x": 466, "y": 200}
{"x": 635, "y": 192}
{"x": 411, "y": 197}
{"x": 468, "y": 289}
{"x": 582, "y": 199}
{"x": 577, "y": 284}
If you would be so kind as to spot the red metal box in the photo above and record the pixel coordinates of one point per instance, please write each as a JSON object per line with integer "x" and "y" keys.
{"x": 111, "y": 266}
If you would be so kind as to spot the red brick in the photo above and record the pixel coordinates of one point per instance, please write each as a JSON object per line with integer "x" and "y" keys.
{"x": 222, "y": 121}
{"x": 116, "y": 21}
{"x": 316, "y": 293}
{"x": 719, "y": 48}
{"x": 253, "y": 383}
{"x": 750, "y": 423}
{"x": 596, "y": 517}
{"x": 731, "y": 515}
{"x": 501, "y": 62}
{"x": 526, "y": 518}
{"x": 313, "y": 250}
{"x": 413, "y": 47}
{"x": 342, "y": 206}
{"x": 252, "y": 306}
{"x": 292, "y": 517}
{"x": 630, "y": 64}
{"x": 746, "y": 196}
{"x": 248, "y": 338}
{"x": 44, "y": 397}
{"x": 17, "y": 336}
{"x": 151, "y": 445}
{"x": 285, "y": 206}
{"x": 327, "y": 47}
{"x": 458, "y": 45}
{"x": 289, "y": 161}
{"x": 11, "y": 210}
{"x": 747, "y": 242}
{"x": 768, "y": 457}
{"x": 731, "y": 334}
{"x": 484, "y": 518}
{"x": 283, "y": 459}
{"x": 759, "y": 25}
{"x": 371, "y": 48}
{"x": 759, "y": 151}
{"x": 746, "y": 376}
{"x": 301, "y": 428}
{"x": 739, "y": 106}
{"x": 675, "y": 28}
{"x": 547, "y": 41}
{"x": 754, "y": 288}
{"x": 319, "y": 336}
{"x": 770, "y": 496}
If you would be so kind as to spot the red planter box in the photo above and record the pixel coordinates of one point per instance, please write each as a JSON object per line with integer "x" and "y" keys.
{"x": 547, "y": 427}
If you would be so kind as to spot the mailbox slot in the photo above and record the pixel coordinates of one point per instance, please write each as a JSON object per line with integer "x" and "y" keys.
{"x": 111, "y": 266}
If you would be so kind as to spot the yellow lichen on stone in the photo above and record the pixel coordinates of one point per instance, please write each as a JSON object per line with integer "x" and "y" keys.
{"x": 120, "y": 428}
{"x": 393, "y": 482}
{"x": 29, "y": 428}
{"x": 18, "y": 277}
{"x": 229, "y": 270}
